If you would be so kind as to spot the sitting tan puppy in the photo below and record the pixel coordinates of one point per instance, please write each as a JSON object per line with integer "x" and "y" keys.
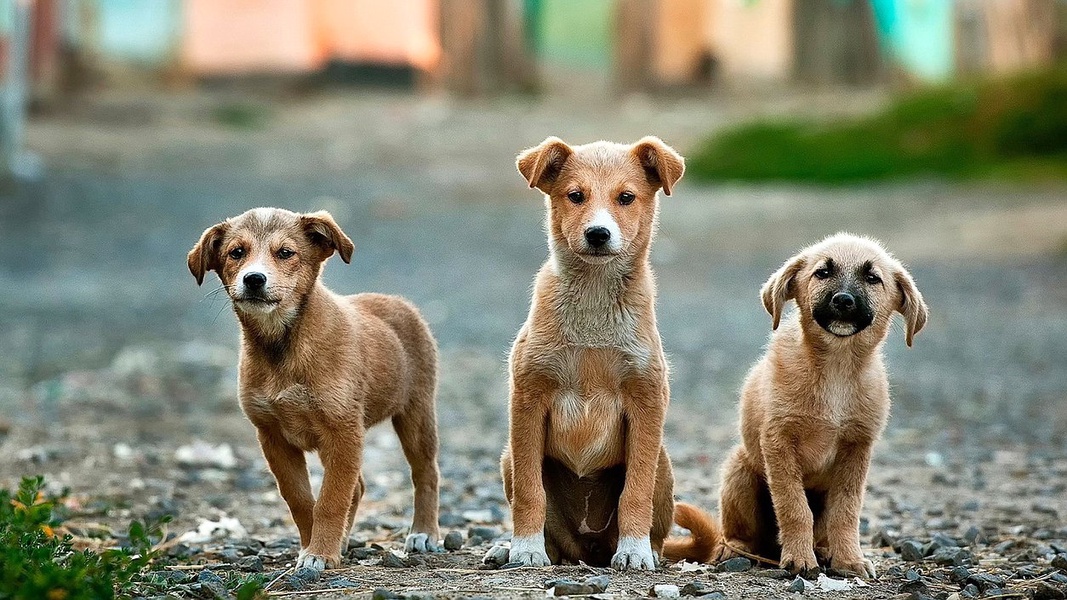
{"x": 317, "y": 369}
{"x": 811, "y": 409}
{"x": 585, "y": 469}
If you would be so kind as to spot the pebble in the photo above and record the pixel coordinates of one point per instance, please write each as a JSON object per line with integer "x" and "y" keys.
{"x": 306, "y": 574}
{"x": 1059, "y": 577}
{"x": 695, "y": 588}
{"x": 452, "y": 520}
{"x": 665, "y": 590}
{"x": 474, "y": 541}
{"x": 251, "y": 563}
{"x": 1059, "y": 561}
{"x": 970, "y": 591}
{"x": 774, "y": 573}
{"x": 599, "y": 583}
{"x": 384, "y": 594}
{"x": 341, "y": 582}
{"x": 952, "y": 556}
{"x": 974, "y": 536}
{"x": 210, "y": 581}
{"x": 570, "y": 587}
{"x": 363, "y": 553}
{"x": 737, "y": 564}
{"x": 391, "y": 560}
{"x": 1044, "y": 591}
{"x": 453, "y": 541}
{"x": 230, "y": 555}
{"x": 959, "y": 574}
{"x": 912, "y": 575}
{"x": 917, "y": 587}
{"x": 797, "y": 585}
{"x": 985, "y": 581}
{"x": 911, "y": 551}
{"x": 883, "y": 538}
{"x": 486, "y": 533}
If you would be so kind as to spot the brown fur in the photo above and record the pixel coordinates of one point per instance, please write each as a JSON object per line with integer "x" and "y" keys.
{"x": 318, "y": 368}
{"x": 811, "y": 410}
{"x": 585, "y": 465}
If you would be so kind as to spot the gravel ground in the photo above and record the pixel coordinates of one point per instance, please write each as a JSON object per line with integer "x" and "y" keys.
{"x": 119, "y": 373}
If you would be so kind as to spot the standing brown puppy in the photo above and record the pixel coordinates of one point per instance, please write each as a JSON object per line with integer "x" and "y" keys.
{"x": 585, "y": 469}
{"x": 811, "y": 409}
{"x": 317, "y": 369}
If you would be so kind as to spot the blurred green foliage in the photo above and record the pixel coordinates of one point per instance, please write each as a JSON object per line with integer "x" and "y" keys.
{"x": 1012, "y": 128}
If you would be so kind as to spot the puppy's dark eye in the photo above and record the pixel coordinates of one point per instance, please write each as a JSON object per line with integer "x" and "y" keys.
{"x": 824, "y": 273}
{"x": 872, "y": 279}
{"x": 284, "y": 253}
{"x": 576, "y": 197}
{"x": 237, "y": 253}
{"x": 626, "y": 198}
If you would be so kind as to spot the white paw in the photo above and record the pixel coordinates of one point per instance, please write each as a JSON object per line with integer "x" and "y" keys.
{"x": 317, "y": 562}
{"x": 634, "y": 553}
{"x": 529, "y": 550}
{"x": 497, "y": 556}
{"x": 420, "y": 543}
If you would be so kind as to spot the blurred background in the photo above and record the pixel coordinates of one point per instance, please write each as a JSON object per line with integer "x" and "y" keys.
{"x": 129, "y": 126}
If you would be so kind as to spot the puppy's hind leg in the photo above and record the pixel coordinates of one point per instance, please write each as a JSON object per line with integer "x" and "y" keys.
{"x": 356, "y": 497}
{"x": 417, "y": 430}
{"x": 740, "y": 508}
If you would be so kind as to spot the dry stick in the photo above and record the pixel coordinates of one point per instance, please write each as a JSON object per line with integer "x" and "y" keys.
{"x": 347, "y": 591}
{"x": 751, "y": 556}
{"x": 278, "y": 578}
{"x": 191, "y": 567}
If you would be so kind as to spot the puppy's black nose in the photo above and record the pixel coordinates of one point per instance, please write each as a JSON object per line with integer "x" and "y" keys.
{"x": 843, "y": 301}
{"x": 255, "y": 281}
{"x": 597, "y": 236}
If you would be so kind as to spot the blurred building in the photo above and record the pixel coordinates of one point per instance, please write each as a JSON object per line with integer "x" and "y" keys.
{"x": 486, "y": 46}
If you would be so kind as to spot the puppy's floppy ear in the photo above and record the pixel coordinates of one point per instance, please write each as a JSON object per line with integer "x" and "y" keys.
{"x": 660, "y": 161}
{"x": 541, "y": 164}
{"x": 912, "y": 305}
{"x": 781, "y": 288}
{"x": 204, "y": 256}
{"x": 324, "y": 232}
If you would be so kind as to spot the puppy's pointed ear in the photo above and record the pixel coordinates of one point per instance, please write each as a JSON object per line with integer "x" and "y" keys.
{"x": 541, "y": 164}
{"x": 781, "y": 288}
{"x": 205, "y": 256}
{"x": 912, "y": 305}
{"x": 324, "y": 232}
{"x": 662, "y": 164}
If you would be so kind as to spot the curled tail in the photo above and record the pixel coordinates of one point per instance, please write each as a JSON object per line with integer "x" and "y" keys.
{"x": 704, "y": 535}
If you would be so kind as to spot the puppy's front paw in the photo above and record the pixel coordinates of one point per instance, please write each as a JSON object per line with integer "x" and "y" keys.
{"x": 860, "y": 567}
{"x": 634, "y": 553}
{"x": 799, "y": 563}
{"x": 317, "y": 562}
{"x": 529, "y": 551}
{"x": 420, "y": 543}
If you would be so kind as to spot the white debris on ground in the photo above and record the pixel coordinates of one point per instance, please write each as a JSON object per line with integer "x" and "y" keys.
{"x": 203, "y": 454}
{"x": 225, "y": 527}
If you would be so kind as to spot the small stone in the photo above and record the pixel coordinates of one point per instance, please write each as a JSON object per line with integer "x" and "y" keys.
{"x": 915, "y": 588}
{"x": 1003, "y": 547}
{"x": 251, "y": 563}
{"x": 1058, "y": 577}
{"x": 230, "y": 555}
{"x": 883, "y": 538}
{"x": 211, "y": 582}
{"x": 774, "y": 573}
{"x": 737, "y": 564}
{"x": 894, "y": 572}
{"x": 391, "y": 560}
{"x": 970, "y": 591}
{"x": 912, "y": 575}
{"x": 716, "y": 595}
{"x": 486, "y": 533}
{"x": 985, "y": 581}
{"x": 1044, "y": 591}
{"x": 797, "y": 585}
{"x": 452, "y": 520}
{"x": 453, "y": 541}
{"x": 384, "y": 594}
{"x": 363, "y": 553}
{"x": 341, "y": 582}
{"x": 959, "y": 574}
{"x": 695, "y": 588}
{"x": 665, "y": 590}
{"x": 974, "y": 536}
{"x": 952, "y": 556}
{"x": 1059, "y": 561}
{"x": 568, "y": 587}
{"x": 174, "y": 577}
{"x": 599, "y": 583}
{"x": 306, "y": 574}
{"x": 1045, "y": 510}
{"x": 911, "y": 551}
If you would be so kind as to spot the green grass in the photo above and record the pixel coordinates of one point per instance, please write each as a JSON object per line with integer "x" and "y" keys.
{"x": 1014, "y": 128}
{"x": 37, "y": 563}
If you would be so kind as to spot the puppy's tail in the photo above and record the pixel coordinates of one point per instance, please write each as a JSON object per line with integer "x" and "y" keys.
{"x": 704, "y": 535}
